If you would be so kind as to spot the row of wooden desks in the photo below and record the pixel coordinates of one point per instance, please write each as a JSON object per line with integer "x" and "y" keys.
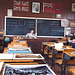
{"x": 66, "y": 55}
{"x": 68, "y": 59}
{"x": 20, "y": 61}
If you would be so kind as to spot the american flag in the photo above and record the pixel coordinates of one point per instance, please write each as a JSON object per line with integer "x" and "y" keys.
{"x": 20, "y": 5}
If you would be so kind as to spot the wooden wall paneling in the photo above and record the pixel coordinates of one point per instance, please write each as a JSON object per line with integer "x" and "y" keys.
{"x": 8, "y": 4}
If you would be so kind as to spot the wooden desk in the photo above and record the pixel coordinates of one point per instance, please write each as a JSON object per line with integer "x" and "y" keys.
{"x": 61, "y": 41}
{"x": 17, "y": 64}
{"x": 15, "y": 60}
{"x": 49, "y": 46}
{"x": 67, "y": 59}
{"x": 44, "y": 44}
{"x": 57, "y": 53}
{"x": 17, "y": 45}
{"x": 69, "y": 53}
{"x": 73, "y": 70}
{"x": 6, "y": 49}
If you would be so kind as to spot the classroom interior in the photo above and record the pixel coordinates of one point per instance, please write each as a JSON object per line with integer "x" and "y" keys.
{"x": 46, "y": 48}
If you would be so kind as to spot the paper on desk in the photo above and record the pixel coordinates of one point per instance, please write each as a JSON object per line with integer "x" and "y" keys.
{"x": 52, "y": 45}
{"x": 67, "y": 48}
{"x": 1, "y": 64}
{"x": 58, "y": 45}
{"x": 6, "y": 56}
{"x": 60, "y": 48}
{"x": 18, "y": 45}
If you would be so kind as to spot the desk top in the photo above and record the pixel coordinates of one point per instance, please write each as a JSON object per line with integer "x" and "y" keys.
{"x": 62, "y": 49}
{"x": 69, "y": 53}
{"x": 73, "y": 70}
{"x": 33, "y": 63}
{"x": 45, "y": 43}
{"x": 61, "y": 41}
{"x": 50, "y": 44}
{"x": 59, "y": 50}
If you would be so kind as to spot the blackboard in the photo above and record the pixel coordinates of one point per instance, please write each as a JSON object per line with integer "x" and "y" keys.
{"x": 19, "y": 26}
{"x": 49, "y": 28}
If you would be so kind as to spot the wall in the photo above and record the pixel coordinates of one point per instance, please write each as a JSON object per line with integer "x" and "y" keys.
{"x": 8, "y": 4}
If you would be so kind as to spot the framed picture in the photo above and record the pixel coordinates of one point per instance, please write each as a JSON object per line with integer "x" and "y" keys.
{"x": 73, "y": 6}
{"x": 35, "y": 7}
{"x": 58, "y": 15}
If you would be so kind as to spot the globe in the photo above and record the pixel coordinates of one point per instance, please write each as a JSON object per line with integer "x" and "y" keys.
{"x": 7, "y": 39}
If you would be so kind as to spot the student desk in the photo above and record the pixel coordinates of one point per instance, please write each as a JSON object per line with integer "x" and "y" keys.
{"x": 44, "y": 44}
{"x": 6, "y": 49}
{"x": 58, "y": 53}
{"x": 49, "y": 46}
{"x": 61, "y": 41}
{"x": 68, "y": 59}
{"x": 73, "y": 71}
{"x": 22, "y": 60}
{"x": 17, "y": 64}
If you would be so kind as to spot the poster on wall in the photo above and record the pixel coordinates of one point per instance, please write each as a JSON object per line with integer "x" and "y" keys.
{"x": 35, "y": 7}
{"x": 73, "y": 6}
{"x": 9, "y": 12}
{"x": 58, "y": 15}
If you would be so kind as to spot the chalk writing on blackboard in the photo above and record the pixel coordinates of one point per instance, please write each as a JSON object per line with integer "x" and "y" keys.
{"x": 19, "y": 26}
